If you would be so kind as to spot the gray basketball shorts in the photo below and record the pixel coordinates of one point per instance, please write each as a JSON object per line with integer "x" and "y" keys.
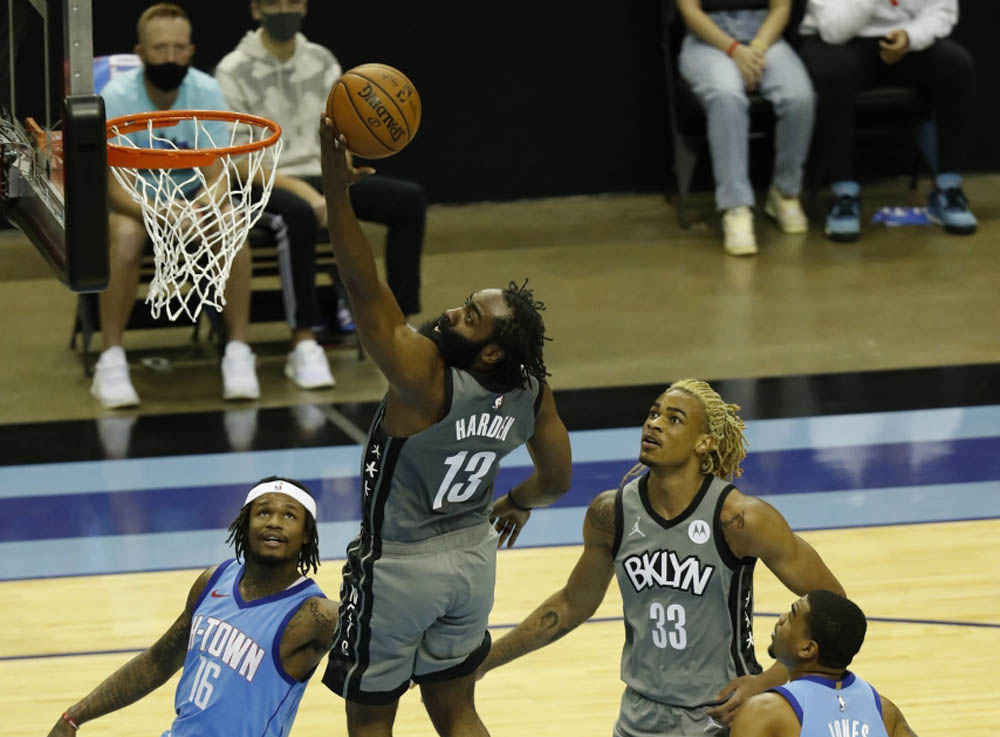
{"x": 643, "y": 717}
{"x": 412, "y": 611}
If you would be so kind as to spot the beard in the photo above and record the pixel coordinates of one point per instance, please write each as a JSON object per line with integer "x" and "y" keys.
{"x": 456, "y": 350}
{"x": 770, "y": 650}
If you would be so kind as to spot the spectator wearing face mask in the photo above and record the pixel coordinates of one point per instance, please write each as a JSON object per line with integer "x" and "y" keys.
{"x": 165, "y": 81}
{"x": 276, "y": 72}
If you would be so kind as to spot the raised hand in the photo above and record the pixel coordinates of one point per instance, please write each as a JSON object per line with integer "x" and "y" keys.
{"x": 338, "y": 167}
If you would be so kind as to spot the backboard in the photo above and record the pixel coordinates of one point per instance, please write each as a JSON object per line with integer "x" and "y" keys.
{"x": 53, "y": 154}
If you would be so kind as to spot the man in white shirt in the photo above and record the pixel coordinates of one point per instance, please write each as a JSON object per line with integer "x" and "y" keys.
{"x": 850, "y": 45}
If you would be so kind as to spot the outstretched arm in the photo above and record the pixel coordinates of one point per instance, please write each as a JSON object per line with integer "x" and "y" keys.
{"x": 147, "y": 671}
{"x": 574, "y": 603}
{"x": 550, "y": 451}
{"x": 410, "y": 362}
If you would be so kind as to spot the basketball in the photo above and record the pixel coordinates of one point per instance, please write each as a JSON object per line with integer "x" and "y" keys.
{"x": 376, "y": 108}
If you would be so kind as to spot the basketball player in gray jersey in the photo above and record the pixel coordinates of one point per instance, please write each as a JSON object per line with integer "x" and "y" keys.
{"x": 682, "y": 542}
{"x": 464, "y": 391}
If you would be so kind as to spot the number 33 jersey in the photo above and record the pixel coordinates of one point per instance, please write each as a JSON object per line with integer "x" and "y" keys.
{"x": 441, "y": 479}
{"x": 233, "y": 683}
{"x": 688, "y": 600}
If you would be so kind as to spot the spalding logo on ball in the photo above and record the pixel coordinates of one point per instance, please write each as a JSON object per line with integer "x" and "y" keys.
{"x": 376, "y": 108}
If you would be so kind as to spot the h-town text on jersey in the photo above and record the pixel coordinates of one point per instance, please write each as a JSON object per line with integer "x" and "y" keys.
{"x": 223, "y": 641}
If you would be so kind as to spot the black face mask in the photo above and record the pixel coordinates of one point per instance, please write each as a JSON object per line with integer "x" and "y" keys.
{"x": 281, "y": 26}
{"x": 456, "y": 350}
{"x": 167, "y": 77}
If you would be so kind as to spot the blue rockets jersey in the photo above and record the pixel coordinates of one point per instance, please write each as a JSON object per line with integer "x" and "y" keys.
{"x": 828, "y": 708}
{"x": 233, "y": 683}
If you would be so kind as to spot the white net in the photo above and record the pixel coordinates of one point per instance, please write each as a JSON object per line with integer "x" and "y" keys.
{"x": 198, "y": 218}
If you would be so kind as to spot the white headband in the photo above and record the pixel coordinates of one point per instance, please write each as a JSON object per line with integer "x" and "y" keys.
{"x": 283, "y": 487}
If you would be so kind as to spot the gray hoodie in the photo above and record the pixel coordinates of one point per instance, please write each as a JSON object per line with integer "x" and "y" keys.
{"x": 291, "y": 93}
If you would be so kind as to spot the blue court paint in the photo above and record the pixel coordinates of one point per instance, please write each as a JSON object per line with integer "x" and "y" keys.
{"x": 221, "y": 469}
{"x": 797, "y": 471}
{"x": 548, "y": 527}
{"x": 169, "y": 513}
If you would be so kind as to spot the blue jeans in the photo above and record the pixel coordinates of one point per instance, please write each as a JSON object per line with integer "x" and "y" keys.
{"x": 717, "y": 83}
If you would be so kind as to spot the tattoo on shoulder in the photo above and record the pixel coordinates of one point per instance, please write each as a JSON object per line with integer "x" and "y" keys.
{"x": 321, "y": 617}
{"x": 736, "y": 520}
{"x": 601, "y": 513}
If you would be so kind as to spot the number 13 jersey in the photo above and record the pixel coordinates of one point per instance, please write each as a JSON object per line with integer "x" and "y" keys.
{"x": 441, "y": 479}
{"x": 688, "y": 600}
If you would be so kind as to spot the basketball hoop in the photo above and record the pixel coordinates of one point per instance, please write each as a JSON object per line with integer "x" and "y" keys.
{"x": 196, "y": 203}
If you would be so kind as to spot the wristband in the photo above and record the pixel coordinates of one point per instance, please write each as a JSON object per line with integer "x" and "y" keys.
{"x": 732, "y": 48}
{"x": 70, "y": 722}
{"x": 759, "y": 45}
{"x": 512, "y": 500}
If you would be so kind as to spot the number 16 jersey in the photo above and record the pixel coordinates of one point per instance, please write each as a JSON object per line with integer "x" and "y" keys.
{"x": 441, "y": 479}
{"x": 688, "y": 600}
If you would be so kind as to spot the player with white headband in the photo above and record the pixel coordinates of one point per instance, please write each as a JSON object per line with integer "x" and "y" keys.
{"x": 252, "y": 631}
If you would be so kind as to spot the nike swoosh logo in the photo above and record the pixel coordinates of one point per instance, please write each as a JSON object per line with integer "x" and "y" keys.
{"x": 217, "y": 595}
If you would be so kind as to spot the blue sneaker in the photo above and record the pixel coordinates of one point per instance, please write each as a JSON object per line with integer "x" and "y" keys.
{"x": 345, "y": 320}
{"x": 949, "y": 209}
{"x": 843, "y": 224}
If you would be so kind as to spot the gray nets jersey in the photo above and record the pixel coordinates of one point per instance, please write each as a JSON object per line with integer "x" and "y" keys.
{"x": 688, "y": 600}
{"x": 441, "y": 479}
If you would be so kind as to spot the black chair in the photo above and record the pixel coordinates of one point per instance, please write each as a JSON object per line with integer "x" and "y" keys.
{"x": 880, "y": 111}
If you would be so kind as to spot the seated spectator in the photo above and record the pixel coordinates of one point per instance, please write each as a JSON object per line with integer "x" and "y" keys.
{"x": 851, "y": 45}
{"x": 164, "y": 82}
{"x": 734, "y": 47}
{"x": 277, "y": 73}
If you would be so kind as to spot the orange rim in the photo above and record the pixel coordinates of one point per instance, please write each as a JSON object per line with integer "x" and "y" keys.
{"x": 156, "y": 158}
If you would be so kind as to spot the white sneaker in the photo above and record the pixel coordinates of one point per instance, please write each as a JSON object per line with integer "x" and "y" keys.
{"x": 112, "y": 386}
{"x": 786, "y": 211}
{"x": 308, "y": 366}
{"x": 737, "y": 228}
{"x": 239, "y": 375}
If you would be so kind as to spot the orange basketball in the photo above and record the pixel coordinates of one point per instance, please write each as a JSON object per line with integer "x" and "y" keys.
{"x": 376, "y": 108}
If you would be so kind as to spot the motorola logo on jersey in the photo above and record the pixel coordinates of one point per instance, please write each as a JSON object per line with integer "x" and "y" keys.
{"x": 662, "y": 569}
{"x": 699, "y": 531}
{"x": 223, "y": 641}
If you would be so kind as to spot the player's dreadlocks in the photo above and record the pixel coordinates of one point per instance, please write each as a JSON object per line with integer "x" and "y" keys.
{"x": 521, "y": 336}
{"x": 723, "y": 424}
{"x": 239, "y": 532}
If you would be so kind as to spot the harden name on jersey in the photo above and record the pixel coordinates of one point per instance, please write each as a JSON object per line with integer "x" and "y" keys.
{"x": 662, "y": 569}
{"x": 484, "y": 425}
{"x": 221, "y": 640}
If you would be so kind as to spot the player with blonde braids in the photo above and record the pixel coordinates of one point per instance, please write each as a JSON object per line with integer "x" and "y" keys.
{"x": 682, "y": 542}
{"x": 723, "y": 424}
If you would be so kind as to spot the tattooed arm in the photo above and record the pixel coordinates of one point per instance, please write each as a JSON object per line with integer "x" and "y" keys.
{"x": 574, "y": 603}
{"x": 308, "y": 637}
{"x": 141, "y": 675}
